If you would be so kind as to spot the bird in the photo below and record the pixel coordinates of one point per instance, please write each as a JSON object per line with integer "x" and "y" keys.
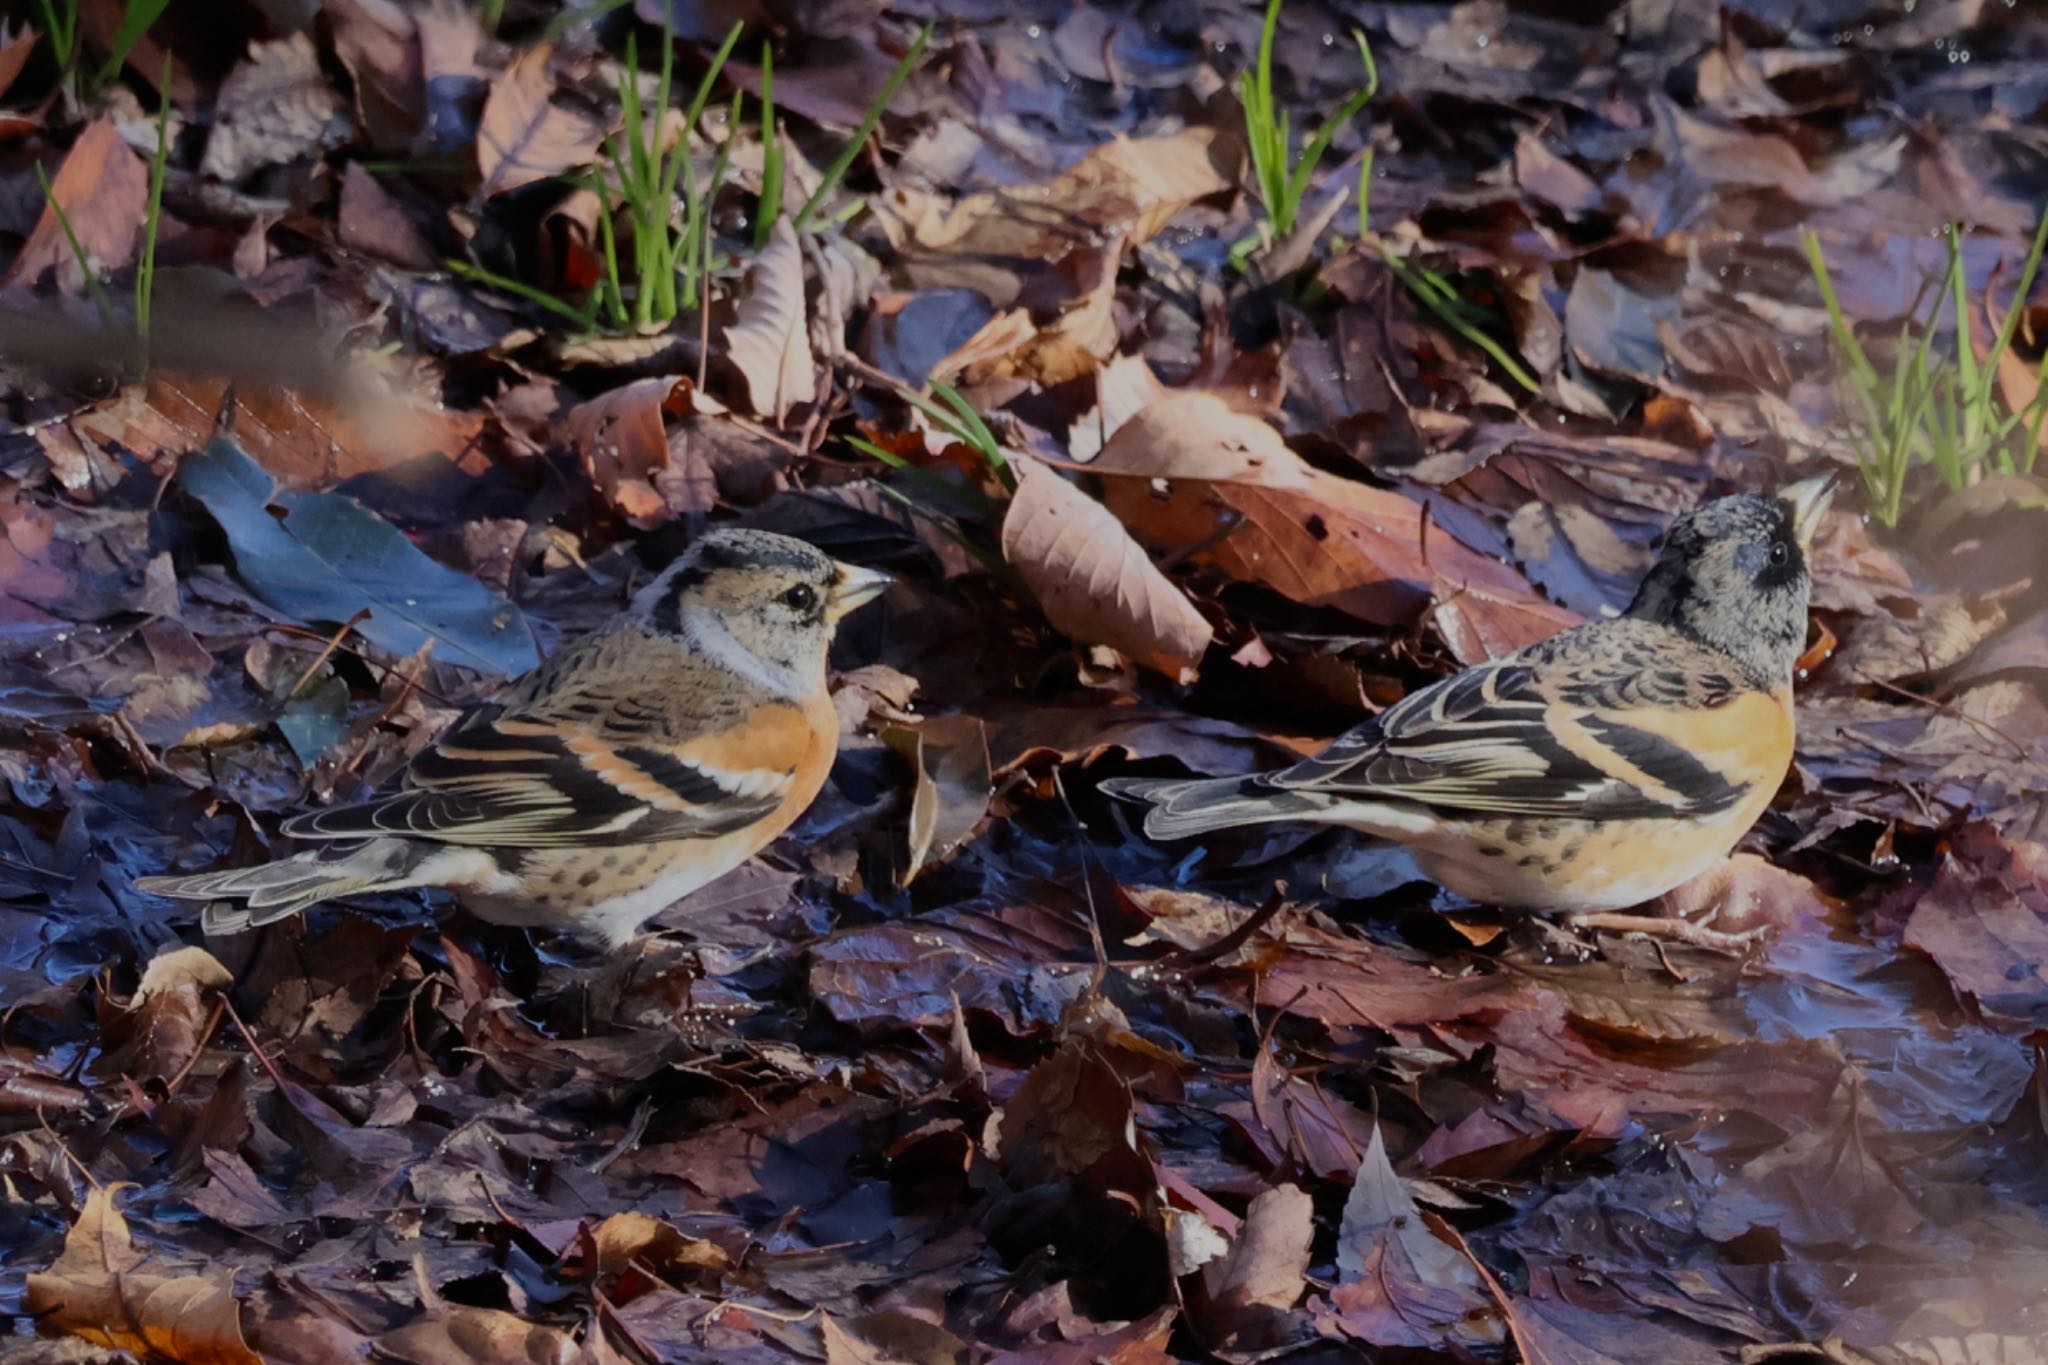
{"x": 631, "y": 767}
{"x": 1589, "y": 772}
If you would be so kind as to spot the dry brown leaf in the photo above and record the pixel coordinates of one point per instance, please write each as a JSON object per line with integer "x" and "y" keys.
{"x": 1129, "y": 186}
{"x": 1267, "y": 1266}
{"x": 770, "y": 341}
{"x": 489, "y": 1336}
{"x": 306, "y": 442}
{"x": 372, "y": 222}
{"x": 950, "y": 754}
{"x": 275, "y": 107}
{"x": 622, "y": 438}
{"x": 1191, "y": 476}
{"x": 104, "y": 192}
{"x": 1093, "y": 581}
{"x": 99, "y": 1291}
{"x": 524, "y": 135}
{"x": 14, "y": 56}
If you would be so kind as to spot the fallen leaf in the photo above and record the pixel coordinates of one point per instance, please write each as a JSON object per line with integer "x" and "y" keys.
{"x": 770, "y": 339}
{"x": 1094, "y": 583}
{"x": 1400, "y": 1283}
{"x": 305, "y": 440}
{"x": 1132, "y": 186}
{"x": 622, "y": 439}
{"x": 103, "y": 189}
{"x": 14, "y": 56}
{"x": 330, "y": 557}
{"x": 487, "y": 1336}
{"x": 99, "y": 1290}
{"x": 275, "y": 107}
{"x": 1984, "y": 921}
{"x": 1191, "y": 476}
{"x": 369, "y": 220}
{"x": 524, "y": 136}
{"x": 950, "y": 755}
{"x": 1252, "y": 1287}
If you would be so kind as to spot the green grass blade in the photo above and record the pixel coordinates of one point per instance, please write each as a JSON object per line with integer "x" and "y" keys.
{"x": 100, "y": 301}
{"x": 520, "y": 289}
{"x": 844, "y": 161}
{"x": 771, "y": 154}
{"x": 136, "y": 20}
{"x": 145, "y": 270}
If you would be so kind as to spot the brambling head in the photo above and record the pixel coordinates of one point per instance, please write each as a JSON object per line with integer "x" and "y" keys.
{"x": 1733, "y": 574}
{"x": 763, "y": 604}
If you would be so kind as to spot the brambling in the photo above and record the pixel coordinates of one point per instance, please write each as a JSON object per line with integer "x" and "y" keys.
{"x": 629, "y": 769}
{"x": 1588, "y": 772}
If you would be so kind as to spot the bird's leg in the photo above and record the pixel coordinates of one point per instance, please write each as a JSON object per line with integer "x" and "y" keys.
{"x": 1670, "y": 927}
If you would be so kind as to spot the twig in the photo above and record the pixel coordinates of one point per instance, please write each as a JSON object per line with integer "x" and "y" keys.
{"x": 327, "y": 653}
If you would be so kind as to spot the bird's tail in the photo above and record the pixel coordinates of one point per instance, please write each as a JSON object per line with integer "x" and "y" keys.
{"x": 279, "y": 890}
{"x": 1185, "y": 807}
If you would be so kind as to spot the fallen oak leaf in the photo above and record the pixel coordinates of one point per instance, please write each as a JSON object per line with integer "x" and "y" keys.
{"x": 770, "y": 340}
{"x": 99, "y": 1291}
{"x": 524, "y": 136}
{"x": 1093, "y": 581}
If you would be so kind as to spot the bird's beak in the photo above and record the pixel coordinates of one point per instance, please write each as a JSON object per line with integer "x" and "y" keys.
{"x": 1809, "y": 499}
{"x": 854, "y": 587}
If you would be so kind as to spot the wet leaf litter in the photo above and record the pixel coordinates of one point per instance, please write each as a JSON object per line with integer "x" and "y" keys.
{"x": 963, "y": 1068}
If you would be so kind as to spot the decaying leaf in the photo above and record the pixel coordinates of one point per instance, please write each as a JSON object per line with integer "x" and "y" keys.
{"x": 275, "y": 107}
{"x": 103, "y": 188}
{"x": 1402, "y": 1284}
{"x": 622, "y": 438}
{"x": 1193, "y": 477}
{"x": 952, "y": 786}
{"x": 102, "y": 1290}
{"x": 1093, "y": 581}
{"x": 525, "y": 134}
{"x": 770, "y": 340}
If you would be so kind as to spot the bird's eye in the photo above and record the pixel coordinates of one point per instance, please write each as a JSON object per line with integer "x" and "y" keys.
{"x": 802, "y": 597}
{"x": 1780, "y": 552}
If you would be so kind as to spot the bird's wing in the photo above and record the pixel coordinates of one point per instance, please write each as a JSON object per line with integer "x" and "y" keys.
{"x": 580, "y": 755}
{"x": 1582, "y": 725}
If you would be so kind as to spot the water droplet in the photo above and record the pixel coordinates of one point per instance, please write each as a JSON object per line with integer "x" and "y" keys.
{"x": 1033, "y": 31}
{"x": 1482, "y": 40}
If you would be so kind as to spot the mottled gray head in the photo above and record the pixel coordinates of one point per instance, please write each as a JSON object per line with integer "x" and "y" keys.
{"x": 773, "y": 598}
{"x": 1733, "y": 574}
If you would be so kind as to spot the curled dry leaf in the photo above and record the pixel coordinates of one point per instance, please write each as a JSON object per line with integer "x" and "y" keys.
{"x": 103, "y": 189}
{"x": 622, "y": 439}
{"x": 1093, "y": 581}
{"x": 100, "y": 1290}
{"x": 275, "y": 107}
{"x": 953, "y": 785}
{"x": 770, "y": 341}
{"x": 1267, "y": 1265}
{"x": 1192, "y": 476}
{"x": 524, "y": 135}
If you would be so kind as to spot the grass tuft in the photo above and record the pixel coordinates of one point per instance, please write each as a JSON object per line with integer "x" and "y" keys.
{"x": 1937, "y": 407}
{"x": 1280, "y": 177}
